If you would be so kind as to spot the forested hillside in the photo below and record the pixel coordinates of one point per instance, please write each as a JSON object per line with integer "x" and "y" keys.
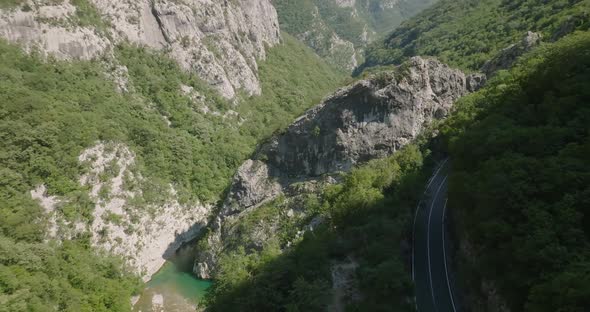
{"x": 340, "y": 30}
{"x": 367, "y": 216}
{"x": 520, "y": 184}
{"x": 467, "y": 33}
{"x": 52, "y": 110}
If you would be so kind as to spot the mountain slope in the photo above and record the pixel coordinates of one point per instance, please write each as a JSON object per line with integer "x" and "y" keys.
{"x": 129, "y": 166}
{"x": 519, "y": 183}
{"x": 518, "y": 192}
{"x": 289, "y": 192}
{"x": 219, "y": 41}
{"x": 467, "y": 33}
{"x": 122, "y": 123}
{"x": 340, "y": 30}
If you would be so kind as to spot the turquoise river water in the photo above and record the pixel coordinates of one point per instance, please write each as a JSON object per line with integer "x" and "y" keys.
{"x": 174, "y": 288}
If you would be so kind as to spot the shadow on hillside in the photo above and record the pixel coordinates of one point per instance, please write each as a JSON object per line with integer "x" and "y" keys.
{"x": 180, "y": 251}
{"x": 377, "y": 236}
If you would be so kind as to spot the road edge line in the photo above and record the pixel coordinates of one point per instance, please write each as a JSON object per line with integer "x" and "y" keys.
{"x": 428, "y": 240}
{"x": 414, "y": 225}
{"x": 445, "y": 257}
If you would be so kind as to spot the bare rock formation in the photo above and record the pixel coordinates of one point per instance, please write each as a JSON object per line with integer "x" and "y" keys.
{"x": 218, "y": 40}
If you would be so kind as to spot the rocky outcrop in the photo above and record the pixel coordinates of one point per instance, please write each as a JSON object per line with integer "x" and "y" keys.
{"x": 218, "y": 40}
{"x": 508, "y": 56}
{"x": 43, "y": 27}
{"x": 370, "y": 119}
{"x": 145, "y": 234}
{"x": 250, "y": 186}
{"x": 345, "y": 286}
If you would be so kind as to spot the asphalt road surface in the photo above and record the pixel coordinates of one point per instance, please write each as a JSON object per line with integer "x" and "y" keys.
{"x": 430, "y": 267}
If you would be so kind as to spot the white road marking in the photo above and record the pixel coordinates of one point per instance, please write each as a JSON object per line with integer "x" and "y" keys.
{"x": 416, "y": 213}
{"x": 428, "y": 239}
{"x": 414, "y": 225}
{"x": 435, "y": 174}
{"x": 445, "y": 256}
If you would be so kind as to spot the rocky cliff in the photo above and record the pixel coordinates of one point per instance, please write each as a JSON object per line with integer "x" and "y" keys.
{"x": 122, "y": 222}
{"x": 220, "y": 41}
{"x": 369, "y": 119}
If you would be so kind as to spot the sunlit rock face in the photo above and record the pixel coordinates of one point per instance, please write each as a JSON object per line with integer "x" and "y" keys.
{"x": 369, "y": 119}
{"x": 145, "y": 234}
{"x": 43, "y": 26}
{"x": 218, "y": 40}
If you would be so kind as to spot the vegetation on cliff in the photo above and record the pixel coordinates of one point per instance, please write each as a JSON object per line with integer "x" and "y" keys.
{"x": 200, "y": 151}
{"x": 366, "y": 218}
{"x": 50, "y": 111}
{"x": 10, "y": 3}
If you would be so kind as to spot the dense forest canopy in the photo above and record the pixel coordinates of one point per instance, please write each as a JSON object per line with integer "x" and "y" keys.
{"x": 520, "y": 184}
{"x": 466, "y": 33}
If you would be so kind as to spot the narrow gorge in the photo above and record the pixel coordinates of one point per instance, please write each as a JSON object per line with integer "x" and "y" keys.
{"x": 274, "y": 155}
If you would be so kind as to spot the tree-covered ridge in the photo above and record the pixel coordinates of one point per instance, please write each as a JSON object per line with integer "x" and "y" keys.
{"x": 316, "y": 21}
{"x": 520, "y": 184}
{"x": 466, "y": 33}
{"x": 50, "y": 111}
{"x": 36, "y": 276}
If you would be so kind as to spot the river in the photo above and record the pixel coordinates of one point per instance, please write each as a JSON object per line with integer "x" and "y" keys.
{"x": 174, "y": 288}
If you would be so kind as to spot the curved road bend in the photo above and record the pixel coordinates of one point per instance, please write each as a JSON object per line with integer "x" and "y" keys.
{"x": 430, "y": 270}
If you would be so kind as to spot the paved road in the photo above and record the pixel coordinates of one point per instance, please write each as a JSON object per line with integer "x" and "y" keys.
{"x": 430, "y": 271}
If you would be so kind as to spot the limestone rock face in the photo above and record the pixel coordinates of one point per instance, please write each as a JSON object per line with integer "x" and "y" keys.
{"x": 251, "y": 185}
{"x": 40, "y": 29}
{"x": 218, "y": 40}
{"x": 145, "y": 235}
{"x": 369, "y": 119}
{"x": 345, "y": 3}
{"x": 508, "y": 56}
